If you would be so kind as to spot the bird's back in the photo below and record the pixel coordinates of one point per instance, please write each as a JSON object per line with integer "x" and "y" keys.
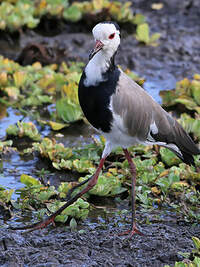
{"x": 144, "y": 118}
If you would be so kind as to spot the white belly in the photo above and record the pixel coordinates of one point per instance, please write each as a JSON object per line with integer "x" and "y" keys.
{"x": 119, "y": 137}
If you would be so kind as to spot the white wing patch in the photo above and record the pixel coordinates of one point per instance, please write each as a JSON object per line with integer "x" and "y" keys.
{"x": 153, "y": 128}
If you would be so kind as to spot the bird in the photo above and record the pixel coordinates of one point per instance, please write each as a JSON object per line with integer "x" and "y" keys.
{"x": 122, "y": 111}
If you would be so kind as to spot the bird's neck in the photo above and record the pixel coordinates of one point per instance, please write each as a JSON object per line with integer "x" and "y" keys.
{"x": 97, "y": 68}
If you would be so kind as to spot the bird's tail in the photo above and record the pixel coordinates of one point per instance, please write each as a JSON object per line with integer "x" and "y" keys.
{"x": 185, "y": 144}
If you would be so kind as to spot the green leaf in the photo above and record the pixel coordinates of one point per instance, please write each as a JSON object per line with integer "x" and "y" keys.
{"x": 12, "y": 130}
{"x": 61, "y": 218}
{"x": 56, "y": 126}
{"x": 107, "y": 185}
{"x": 197, "y": 261}
{"x": 168, "y": 97}
{"x": 72, "y": 13}
{"x": 196, "y": 242}
{"x": 195, "y": 87}
{"x": 83, "y": 204}
{"x": 155, "y": 37}
{"x": 190, "y": 124}
{"x": 29, "y": 180}
{"x": 73, "y": 224}
{"x": 82, "y": 165}
{"x": 45, "y": 195}
{"x": 142, "y": 33}
{"x": 5, "y": 195}
{"x": 169, "y": 157}
{"x": 68, "y": 111}
{"x": 188, "y": 102}
{"x": 139, "y": 19}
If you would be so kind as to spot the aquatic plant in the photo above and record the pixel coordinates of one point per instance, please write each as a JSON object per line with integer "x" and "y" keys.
{"x": 186, "y": 93}
{"x": 28, "y": 13}
{"x": 32, "y": 86}
{"x": 20, "y": 13}
{"x": 24, "y": 129}
{"x": 143, "y": 35}
{"x": 46, "y": 199}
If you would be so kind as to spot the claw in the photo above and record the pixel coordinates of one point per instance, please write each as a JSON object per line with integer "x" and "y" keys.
{"x": 131, "y": 232}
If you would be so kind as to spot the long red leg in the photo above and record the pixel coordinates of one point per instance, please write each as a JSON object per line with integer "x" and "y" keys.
{"x": 132, "y": 166}
{"x": 92, "y": 182}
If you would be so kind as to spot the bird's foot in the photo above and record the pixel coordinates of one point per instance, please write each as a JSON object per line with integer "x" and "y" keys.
{"x": 131, "y": 232}
{"x": 36, "y": 226}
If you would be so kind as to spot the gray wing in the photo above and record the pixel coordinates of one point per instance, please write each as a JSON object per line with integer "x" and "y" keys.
{"x": 147, "y": 120}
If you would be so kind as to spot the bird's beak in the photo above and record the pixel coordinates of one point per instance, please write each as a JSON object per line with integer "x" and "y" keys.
{"x": 98, "y": 46}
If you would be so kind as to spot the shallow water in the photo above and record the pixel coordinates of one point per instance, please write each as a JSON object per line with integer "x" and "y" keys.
{"x": 176, "y": 57}
{"x": 78, "y": 134}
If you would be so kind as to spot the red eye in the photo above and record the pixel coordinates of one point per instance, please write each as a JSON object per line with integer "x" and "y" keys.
{"x": 112, "y": 36}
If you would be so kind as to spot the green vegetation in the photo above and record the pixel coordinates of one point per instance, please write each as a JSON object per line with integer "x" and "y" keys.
{"x": 46, "y": 199}
{"x": 163, "y": 180}
{"x": 157, "y": 183}
{"x": 19, "y": 13}
{"x": 5, "y": 145}
{"x": 186, "y": 93}
{"x": 27, "y": 88}
{"x": 142, "y": 35}
{"x": 195, "y": 255}
{"x": 23, "y": 129}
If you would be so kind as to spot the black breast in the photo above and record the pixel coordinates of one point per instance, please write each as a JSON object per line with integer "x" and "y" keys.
{"x": 95, "y": 100}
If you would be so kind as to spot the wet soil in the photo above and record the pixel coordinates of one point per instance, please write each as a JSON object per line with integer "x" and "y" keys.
{"x": 97, "y": 246}
{"x": 176, "y": 57}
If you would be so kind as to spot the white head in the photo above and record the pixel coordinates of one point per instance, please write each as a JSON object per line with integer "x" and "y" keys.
{"x": 107, "y": 37}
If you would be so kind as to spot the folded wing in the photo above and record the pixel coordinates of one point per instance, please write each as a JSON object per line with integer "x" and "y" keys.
{"x": 148, "y": 121}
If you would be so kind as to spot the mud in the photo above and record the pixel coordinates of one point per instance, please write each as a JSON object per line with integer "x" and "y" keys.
{"x": 99, "y": 245}
{"x": 176, "y": 57}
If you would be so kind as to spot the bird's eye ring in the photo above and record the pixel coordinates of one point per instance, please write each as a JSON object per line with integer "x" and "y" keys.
{"x": 112, "y": 36}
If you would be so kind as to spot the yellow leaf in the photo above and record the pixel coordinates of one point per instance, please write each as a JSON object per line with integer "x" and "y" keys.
{"x": 196, "y": 76}
{"x": 45, "y": 81}
{"x": 197, "y": 109}
{"x": 157, "y": 6}
{"x": 157, "y": 200}
{"x": 3, "y": 111}
{"x": 155, "y": 190}
{"x": 179, "y": 185}
{"x": 184, "y": 83}
{"x": 43, "y": 4}
{"x": 97, "y": 4}
{"x": 26, "y": 6}
{"x": 6, "y": 61}
{"x": 3, "y": 78}
{"x": 2, "y": 25}
{"x": 19, "y": 78}
{"x": 164, "y": 173}
{"x": 71, "y": 91}
{"x": 114, "y": 9}
{"x": 113, "y": 170}
{"x": 53, "y": 66}
{"x": 108, "y": 174}
{"x": 37, "y": 65}
{"x": 57, "y": 126}
{"x": 13, "y": 92}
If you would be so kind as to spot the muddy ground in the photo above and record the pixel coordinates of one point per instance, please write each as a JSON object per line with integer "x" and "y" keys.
{"x": 176, "y": 57}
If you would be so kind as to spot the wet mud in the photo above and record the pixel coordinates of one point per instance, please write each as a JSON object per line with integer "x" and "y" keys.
{"x": 98, "y": 244}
